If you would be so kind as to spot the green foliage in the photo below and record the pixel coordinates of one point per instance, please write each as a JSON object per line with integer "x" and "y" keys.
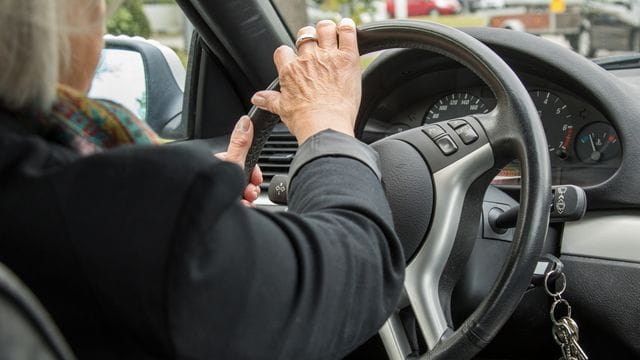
{"x": 358, "y": 7}
{"x": 129, "y": 19}
{"x": 351, "y": 8}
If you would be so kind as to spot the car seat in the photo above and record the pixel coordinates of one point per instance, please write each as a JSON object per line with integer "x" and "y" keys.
{"x": 26, "y": 330}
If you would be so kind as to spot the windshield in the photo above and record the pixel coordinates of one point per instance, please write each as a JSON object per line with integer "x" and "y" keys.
{"x": 592, "y": 28}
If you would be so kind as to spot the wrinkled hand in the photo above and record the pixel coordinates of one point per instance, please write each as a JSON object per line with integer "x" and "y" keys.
{"x": 239, "y": 145}
{"x": 320, "y": 87}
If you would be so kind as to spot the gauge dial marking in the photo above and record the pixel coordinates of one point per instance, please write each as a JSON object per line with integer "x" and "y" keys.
{"x": 453, "y": 106}
{"x": 557, "y": 120}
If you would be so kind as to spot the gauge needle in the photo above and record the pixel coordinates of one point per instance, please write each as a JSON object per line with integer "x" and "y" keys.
{"x": 593, "y": 146}
{"x": 606, "y": 145}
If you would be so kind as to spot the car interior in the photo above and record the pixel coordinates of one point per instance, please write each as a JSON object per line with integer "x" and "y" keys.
{"x": 510, "y": 164}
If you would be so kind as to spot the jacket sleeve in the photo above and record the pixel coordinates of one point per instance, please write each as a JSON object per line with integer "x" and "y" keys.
{"x": 182, "y": 270}
{"x": 314, "y": 282}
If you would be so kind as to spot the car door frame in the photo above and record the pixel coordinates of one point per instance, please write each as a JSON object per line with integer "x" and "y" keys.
{"x": 226, "y": 66}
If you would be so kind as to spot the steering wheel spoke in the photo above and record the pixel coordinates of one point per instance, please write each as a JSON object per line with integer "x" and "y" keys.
{"x": 430, "y": 274}
{"x": 426, "y": 282}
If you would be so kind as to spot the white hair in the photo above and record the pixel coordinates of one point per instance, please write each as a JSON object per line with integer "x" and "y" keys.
{"x": 35, "y": 49}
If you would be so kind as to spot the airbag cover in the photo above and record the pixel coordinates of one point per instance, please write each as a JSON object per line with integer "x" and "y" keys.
{"x": 409, "y": 189}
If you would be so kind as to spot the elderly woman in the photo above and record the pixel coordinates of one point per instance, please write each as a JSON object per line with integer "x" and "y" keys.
{"x": 146, "y": 251}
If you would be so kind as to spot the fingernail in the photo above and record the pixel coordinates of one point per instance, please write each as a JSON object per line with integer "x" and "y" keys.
{"x": 347, "y": 22}
{"x": 258, "y": 100}
{"x": 244, "y": 124}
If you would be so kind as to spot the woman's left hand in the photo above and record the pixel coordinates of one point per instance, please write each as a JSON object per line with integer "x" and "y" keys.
{"x": 237, "y": 151}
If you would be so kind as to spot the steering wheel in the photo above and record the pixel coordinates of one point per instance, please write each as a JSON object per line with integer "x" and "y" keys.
{"x": 435, "y": 178}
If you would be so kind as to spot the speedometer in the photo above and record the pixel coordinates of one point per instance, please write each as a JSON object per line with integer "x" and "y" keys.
{"x": 453, "y": 106}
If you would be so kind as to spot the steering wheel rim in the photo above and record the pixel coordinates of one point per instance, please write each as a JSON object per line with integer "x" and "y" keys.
{"x": 512, "y": 131}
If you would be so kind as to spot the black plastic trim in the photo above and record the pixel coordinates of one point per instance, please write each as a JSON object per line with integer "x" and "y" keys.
{"x": 603, "y": 295}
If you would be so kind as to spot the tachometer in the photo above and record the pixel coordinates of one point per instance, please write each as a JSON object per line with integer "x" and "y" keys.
{"x": 557, "y": 120}
{"x": 453, "y": 106}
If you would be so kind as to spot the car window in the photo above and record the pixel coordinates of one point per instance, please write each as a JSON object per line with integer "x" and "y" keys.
{"x": 123, "y": 74}
{"x": 593, "y": 28}
{"x": 116, "y": 67}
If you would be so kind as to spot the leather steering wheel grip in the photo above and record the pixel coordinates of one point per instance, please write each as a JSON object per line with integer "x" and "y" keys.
{"x": 263, "y": 124}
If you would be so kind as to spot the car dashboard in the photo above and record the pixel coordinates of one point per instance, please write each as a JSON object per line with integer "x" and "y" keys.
{"x": 584, "y": 146}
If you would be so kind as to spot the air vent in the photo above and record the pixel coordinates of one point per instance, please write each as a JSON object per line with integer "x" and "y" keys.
{"x": 276, "y": 157}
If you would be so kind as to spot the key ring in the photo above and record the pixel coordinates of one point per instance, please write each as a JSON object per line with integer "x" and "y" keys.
{"x": 556, "y": 295}
{"x": 553, "y": 310}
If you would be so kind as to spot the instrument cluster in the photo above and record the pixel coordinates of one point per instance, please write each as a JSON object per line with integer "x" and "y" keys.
{"x": 583, "y": 145}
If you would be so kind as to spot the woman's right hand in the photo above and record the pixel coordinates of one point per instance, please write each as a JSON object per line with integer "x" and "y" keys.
{"x": 320, "y": 87}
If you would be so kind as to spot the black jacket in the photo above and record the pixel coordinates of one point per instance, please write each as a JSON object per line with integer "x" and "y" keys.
{"x": 146, "y": 252}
